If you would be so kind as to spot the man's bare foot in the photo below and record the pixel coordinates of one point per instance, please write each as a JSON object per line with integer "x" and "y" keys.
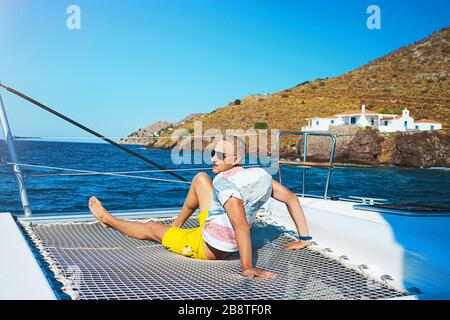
{"x": 97, "y": 209}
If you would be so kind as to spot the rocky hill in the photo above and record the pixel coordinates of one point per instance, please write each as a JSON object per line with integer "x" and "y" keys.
{"x": 151, "y": 133}
{"x": 415, "y": 76}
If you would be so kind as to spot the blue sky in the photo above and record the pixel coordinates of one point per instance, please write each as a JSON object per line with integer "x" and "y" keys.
{"x": 136, "y": 62}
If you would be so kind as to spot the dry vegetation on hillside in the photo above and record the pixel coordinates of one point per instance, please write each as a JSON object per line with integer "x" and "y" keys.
{"x": 415, "y": 76}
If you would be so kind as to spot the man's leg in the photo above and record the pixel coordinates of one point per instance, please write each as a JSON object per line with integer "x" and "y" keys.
{"x": 199, "y": 196}
{"x": 143, "y": 231}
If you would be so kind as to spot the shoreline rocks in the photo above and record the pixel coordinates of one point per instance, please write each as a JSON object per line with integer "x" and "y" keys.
{"x": 367, "y": 146}
{"x": 370, "y": 147}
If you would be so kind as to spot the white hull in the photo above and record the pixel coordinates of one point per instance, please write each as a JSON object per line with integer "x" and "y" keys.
{"x": 412, "y": 251}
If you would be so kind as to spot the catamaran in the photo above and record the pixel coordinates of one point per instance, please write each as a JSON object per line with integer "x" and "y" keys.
{"x": 363, "y": 248}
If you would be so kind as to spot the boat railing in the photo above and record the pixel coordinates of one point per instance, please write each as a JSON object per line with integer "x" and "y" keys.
{"x": 304, "y": 164}
{"x": 367, "y": 200}
{"x": 12, "y": 153}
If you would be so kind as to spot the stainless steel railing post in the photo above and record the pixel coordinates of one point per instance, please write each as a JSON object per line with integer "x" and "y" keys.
{"x": 305, "y": 151}
{"x": 333, "y": 149}
{"x": 277, "y": 140}
{"x": 13, "y": 156}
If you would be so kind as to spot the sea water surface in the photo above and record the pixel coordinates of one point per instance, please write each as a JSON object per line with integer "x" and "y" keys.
{"x": 50, "y": 192}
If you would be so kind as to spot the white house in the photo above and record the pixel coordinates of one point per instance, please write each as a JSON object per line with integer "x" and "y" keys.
{"x": 426, "y": 125}
{"x": 363, "y": 118}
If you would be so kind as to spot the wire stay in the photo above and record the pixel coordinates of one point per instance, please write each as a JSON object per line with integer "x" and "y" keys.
{"x": 79, "y": 125}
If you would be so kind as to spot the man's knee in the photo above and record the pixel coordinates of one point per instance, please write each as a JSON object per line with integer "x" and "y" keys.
{"x": 202, "y": 177}
{"x": 150, "y": 230}
{"x": 155, "y": 231}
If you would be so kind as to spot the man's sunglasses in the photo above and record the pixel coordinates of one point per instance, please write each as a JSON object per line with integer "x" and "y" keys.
{"x": 220, "y": 155}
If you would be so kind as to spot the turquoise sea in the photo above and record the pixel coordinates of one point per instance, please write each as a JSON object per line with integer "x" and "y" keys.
{"x": 50, "y": 192}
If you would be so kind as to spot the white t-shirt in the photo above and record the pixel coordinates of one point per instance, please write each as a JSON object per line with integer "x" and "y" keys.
{"x": 253, "y": 186}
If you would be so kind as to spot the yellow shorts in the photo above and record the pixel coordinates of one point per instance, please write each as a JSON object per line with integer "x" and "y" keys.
{"x": 187, "y": 242}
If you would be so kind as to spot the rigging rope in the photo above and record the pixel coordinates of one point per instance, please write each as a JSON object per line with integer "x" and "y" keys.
{"x": 112, "y": 173}
{"x": 95, "y": 172}
{"x": 132, "y": 137}
{"x": 79, "y": 125}
{"x": 128, "y": 172}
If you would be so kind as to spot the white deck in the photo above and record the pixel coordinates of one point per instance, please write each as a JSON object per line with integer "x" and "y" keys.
{"x": 20, "y": 275}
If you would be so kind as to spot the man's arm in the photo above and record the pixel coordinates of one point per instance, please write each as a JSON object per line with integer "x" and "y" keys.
{"x": 236, "y": 213}
{"x": 283, "y": 194}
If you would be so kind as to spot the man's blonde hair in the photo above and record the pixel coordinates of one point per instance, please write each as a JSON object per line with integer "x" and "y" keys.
{"x": 238, "y": 146}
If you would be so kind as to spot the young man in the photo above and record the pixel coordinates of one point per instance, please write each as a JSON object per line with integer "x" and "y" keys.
{"x": 228, "y": 207}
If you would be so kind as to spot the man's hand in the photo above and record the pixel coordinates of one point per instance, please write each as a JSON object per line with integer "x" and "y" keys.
{"x": 296, "y": 245}
{"x": 254, "y": 272}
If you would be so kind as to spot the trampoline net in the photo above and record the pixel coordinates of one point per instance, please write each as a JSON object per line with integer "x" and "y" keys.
{"x": 96, "y": 263}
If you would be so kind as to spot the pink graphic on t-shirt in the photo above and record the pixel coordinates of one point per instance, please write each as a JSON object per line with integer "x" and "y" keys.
{"x": 220, "y": 233}
{"x": 229, "y": 173}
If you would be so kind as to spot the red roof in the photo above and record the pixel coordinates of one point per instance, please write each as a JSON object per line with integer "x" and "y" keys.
{"x": 426, "y": 121}
{"x": 346, "y": 113}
